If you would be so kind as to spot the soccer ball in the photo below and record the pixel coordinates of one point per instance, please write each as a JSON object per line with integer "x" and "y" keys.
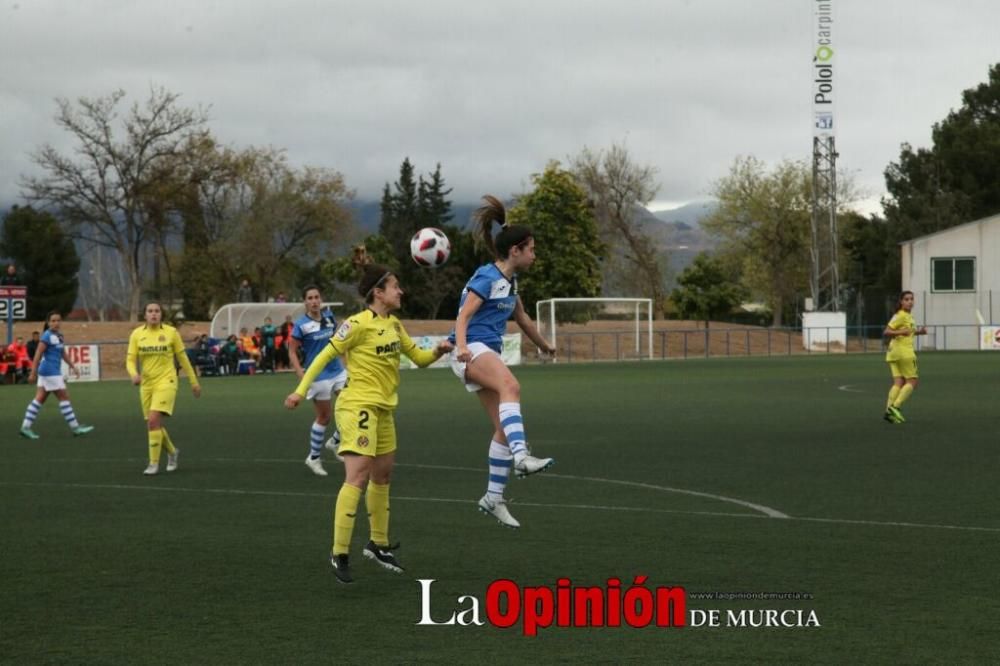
{"x": 430, "y": 247}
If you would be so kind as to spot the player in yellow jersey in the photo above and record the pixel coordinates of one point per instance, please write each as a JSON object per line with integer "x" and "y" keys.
{"x": 902, "y": 358}
{"x": 373, "y": 340}
{"x": 155, "y": 345}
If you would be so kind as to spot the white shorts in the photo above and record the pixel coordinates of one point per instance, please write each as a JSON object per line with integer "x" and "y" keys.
{"x": 51, "y": 383}
{"x": 477, "y": 349}
{"x": 325, "y": 388}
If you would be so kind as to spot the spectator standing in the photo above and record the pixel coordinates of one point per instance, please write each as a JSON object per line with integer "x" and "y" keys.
{"x": 10, "y": 276}
{"x": 244, "y": 294}
{"x": 268, "y": 333}
{"x": 33, "y": 343}
{"x": 282, "y": 353}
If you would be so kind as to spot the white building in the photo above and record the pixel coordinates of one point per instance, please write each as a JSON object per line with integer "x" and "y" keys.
{"x": 955, "y": 277}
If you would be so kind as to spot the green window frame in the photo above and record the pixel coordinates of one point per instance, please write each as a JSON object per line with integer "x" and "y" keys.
{"x": 953, "y": 274}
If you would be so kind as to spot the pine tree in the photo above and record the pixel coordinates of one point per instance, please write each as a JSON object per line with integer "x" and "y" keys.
{"x": 46, "y": 259}
{"x": 567, "y": 244}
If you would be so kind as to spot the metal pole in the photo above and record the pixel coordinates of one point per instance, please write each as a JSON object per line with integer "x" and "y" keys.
{"x": 649, "y": 325}
{"x": 637, "y": 341}
{"x": 552, "y": 322}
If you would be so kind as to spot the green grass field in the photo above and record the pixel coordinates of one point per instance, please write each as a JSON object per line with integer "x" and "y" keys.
{"x": 894, "y": 530}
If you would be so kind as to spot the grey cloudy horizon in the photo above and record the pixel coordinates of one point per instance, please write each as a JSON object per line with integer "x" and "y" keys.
{"x": 493, "y": 92}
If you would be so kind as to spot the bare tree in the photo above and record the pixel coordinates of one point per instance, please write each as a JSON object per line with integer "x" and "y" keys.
{"x": 259, "y": 218}
{"x": 618, "y": 187}
{"x": 114, "y": 190}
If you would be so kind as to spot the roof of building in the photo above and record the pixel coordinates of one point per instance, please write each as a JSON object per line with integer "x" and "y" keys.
{"x": 986, "y": 220}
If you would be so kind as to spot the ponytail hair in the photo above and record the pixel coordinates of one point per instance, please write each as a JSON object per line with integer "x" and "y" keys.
{"x": 491, "y": 212}
{"x": 899, "y": 301}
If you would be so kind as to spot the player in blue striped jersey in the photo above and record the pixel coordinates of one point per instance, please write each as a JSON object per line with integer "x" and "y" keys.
{"x": 488, "y": 301}
{"x": 312, "y": 332}
{"x": 47, "y": 367}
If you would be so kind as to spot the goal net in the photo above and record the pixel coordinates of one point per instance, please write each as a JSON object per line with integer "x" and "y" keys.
{"x": 232, "y": 317}
{"x": 597, "y": 328}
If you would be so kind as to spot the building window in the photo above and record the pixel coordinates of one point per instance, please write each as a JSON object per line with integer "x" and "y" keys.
{"x": 953, "y": 274}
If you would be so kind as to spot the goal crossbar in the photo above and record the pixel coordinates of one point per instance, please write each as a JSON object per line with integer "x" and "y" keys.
{"x": 638, "y": 302}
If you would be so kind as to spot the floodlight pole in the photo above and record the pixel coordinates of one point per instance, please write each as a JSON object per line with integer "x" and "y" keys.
{"x": 824, "y": 279}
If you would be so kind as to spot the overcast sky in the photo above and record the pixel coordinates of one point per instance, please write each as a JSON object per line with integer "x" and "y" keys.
{"x": 494, "y": 90}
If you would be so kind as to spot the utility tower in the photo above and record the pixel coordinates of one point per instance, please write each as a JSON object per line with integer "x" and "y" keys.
{"x": 824, "y": 279}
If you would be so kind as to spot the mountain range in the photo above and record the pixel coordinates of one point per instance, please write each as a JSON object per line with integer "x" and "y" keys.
{"x": 677, "y": 232}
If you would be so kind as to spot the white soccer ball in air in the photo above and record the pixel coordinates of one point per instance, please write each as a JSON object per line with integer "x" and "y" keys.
{"x": 430, "y": 247}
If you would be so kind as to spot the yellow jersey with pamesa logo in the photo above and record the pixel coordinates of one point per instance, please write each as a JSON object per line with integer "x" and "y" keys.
{"x": 155, "y": 348}
{"x": 374, "y": 344}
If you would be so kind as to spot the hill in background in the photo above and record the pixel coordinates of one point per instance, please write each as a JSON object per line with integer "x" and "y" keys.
{"x": 677, "y": 233}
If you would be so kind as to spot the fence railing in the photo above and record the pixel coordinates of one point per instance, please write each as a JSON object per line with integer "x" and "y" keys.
{"x": 672, "y": 343}
{"x": 581, "y": 346}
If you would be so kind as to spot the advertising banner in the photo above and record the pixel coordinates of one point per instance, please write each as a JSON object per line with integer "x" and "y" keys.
{"x": 511, "y": 353}
{"x": 87, "y": 359}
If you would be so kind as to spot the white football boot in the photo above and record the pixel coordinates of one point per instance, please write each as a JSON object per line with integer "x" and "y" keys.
{"x": 498, "y": 509}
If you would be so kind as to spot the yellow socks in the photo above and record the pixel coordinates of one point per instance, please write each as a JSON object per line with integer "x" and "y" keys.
{"x": 904, "y": 393}
{"x": 893, "y": 393}
{"x": 343, "y": 518}
{"x": 377, "y": 502}
{"x": 155, "y": 439}
{"x": 168, "y": 444}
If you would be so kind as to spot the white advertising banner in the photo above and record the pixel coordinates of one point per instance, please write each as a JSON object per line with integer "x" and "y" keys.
{"x": 511, "y": 353}
{"x": 822, "y": 68}
{"x": 87, "y": 359}
{"x": 989, "y": 337}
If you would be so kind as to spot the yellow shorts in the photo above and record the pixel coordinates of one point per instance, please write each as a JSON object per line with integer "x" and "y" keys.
{"x": 904, "y": 367}
{"x": 160, "y": 398}
{"x": 365, "y": 430}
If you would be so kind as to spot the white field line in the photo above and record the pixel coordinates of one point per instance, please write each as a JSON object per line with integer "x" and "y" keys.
{"x": 585, "y": 507}
{"x": 760, "y": 508}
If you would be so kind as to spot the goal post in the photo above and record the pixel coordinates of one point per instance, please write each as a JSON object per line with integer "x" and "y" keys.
{"x": 553, "y": 312}
{"x": 231, "y": 317}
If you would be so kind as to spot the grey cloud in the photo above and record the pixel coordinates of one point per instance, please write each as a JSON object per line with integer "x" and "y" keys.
{"x": 493, "y": 91}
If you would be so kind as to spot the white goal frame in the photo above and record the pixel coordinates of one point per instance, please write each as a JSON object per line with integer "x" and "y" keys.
{"x": 638, "y": 302}
{"x": 230, "y": 318}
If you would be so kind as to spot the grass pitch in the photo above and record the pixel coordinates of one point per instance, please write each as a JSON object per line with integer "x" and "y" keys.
{"x": 680, "y": 471}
